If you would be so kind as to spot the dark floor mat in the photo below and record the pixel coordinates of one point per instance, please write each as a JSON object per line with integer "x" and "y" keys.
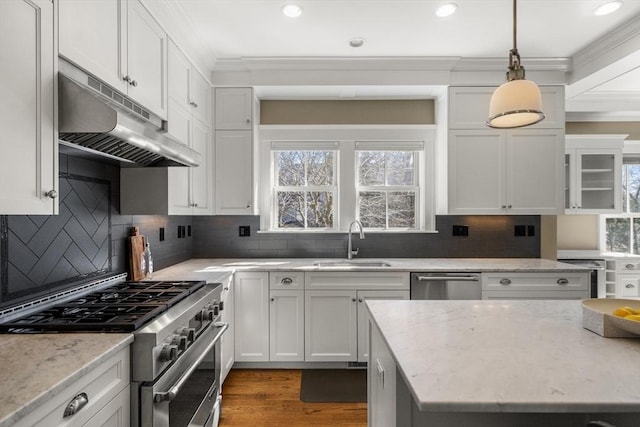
{"x": 333, "y": 385}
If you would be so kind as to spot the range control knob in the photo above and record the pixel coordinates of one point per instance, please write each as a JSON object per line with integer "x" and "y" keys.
{"x": 180, "y": 341}
{"x": 202, "y": 315}
{"x": 216, "y": 309}
{"x": 190, "y": 333}
{"x": 168, "y": 353}
{"x": 221, "y": 305}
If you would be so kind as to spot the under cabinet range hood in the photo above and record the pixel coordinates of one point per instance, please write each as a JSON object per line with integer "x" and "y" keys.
{"x": 96, "y": 119}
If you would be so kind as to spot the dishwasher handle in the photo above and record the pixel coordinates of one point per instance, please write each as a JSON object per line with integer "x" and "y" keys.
{"x": 460, "y": 278}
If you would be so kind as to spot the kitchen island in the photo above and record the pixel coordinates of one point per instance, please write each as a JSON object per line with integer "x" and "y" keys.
{"x": 497, "y": 363}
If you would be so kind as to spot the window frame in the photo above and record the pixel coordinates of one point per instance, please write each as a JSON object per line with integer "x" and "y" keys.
{"x": 602, "y": 223}
{"x": 346, "y": 137}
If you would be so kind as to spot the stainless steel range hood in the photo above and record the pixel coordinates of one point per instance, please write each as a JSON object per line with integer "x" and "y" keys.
{"x": 96, "y": 119}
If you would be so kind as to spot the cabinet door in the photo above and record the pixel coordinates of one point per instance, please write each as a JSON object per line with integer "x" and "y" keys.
{"x": 233, "y": 108}
{"x": 179, "y": 75}
{"x": 476, "y": 172}
{"x": 201, "y": 175}
{"x": 116, "y": 413}
{"x": 233, "y": 171}
{"x": 93, "y": 36}
{"x": 535, "y": 172}
{"x": 628, "y": 286}
{"x": 29, "y": 160}
{"x": 146, "y": 59}
{"x": 363, "y": 317}
{"x": 381, "y": 383}
{"x": 251, "y": 317}
{"x": 598, "y": 181}
{"x": 179, "y": 188}
{"x": 286, "y": 326}
{"x": 200, "y": 100}
{"x": 228, "y": 342}
{"x": 330, "y": 326}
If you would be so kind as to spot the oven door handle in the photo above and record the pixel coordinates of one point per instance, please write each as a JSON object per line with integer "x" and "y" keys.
{"x": 173, "y": 391}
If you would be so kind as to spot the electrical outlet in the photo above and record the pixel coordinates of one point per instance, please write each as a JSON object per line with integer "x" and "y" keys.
{"x": 531, "y": 230}
{"x": 162, "y": 234}
{"x": 460, "y": 230}
{"x": 188, "y": 231}
{"x": 520, "y": 230}
{"x": 244, "y": 231}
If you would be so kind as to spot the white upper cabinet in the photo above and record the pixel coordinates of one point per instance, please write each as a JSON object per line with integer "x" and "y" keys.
{"x": 187, "y": 86}
{"x": 593, "y": 174}
{"x": 29, "y": 161}
{"x": 504, "y": 171}
{"x": 469, "y": 107}
{"x": 234, "y": 107}
{"x": 120, "y": 43}
{"x": 233, "y": 173}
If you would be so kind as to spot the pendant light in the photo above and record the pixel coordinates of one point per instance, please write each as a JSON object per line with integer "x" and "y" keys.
{"x": 517, "y": 102}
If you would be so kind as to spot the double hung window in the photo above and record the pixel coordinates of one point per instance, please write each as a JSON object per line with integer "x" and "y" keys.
{"x": 622, "y": 231}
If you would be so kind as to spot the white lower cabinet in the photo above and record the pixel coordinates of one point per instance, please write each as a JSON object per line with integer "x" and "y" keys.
{"x": 106, "y": 390}
{"x": 286, "y": 326}
{"x": 251, "y": 316}
{"x": 514, "y": 285}
{"x": 331, "y": 326}
{"x": 228, "y": 341}
{"x": 381, "y": 382}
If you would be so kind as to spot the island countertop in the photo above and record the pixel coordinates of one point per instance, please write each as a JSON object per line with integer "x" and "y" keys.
{"x": 507, "y": 356}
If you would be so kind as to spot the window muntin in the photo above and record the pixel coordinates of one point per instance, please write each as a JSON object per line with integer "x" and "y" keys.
{"x": 387, "y": 189}
{"x": 305, "y": 189}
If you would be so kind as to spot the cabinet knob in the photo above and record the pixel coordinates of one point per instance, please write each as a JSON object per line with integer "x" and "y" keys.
{"x": 562, "y": 281}
{"x": 273, "y": 299}
{"x": 193, "y": 104}
{"x": 127, "y": 79}
{"x": 353, "y": 299}
{"x": 505, "y": 282}
{"x": 133, "y": 83}
{"x": 248, "y": 121}
{"x": 248, "y": 206}
{"x": 52, "y": 194}
{"x": 360, "y": 300}
{"x": 509, "y": 207}
{"x": 504, "y": 206}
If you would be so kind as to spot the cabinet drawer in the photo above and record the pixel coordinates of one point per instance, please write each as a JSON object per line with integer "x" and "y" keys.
{"x": 629, "y": 285}
{"x": 628, "y": 266}
{"x": 529, "y": 295}
{"x": 286, "y": 280}
{"x": 535, "y": 282}
{"x": 101, "y": 385}
{"x": 357, "y": 280}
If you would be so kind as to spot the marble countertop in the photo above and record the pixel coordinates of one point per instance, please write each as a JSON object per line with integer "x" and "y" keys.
{"x": 508, "y": 356}
{"x": 36, "y": 367}
{"x": 592, "y": 254}
{"x": 213, "y": 270}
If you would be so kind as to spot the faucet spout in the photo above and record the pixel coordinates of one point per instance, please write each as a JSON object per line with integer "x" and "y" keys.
{"x": 350, "y": 251}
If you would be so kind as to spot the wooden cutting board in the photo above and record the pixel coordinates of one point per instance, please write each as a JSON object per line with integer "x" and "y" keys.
{"x": 136, "y": 249}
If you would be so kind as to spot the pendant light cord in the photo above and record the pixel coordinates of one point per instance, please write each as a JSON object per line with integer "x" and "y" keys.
{"x": 515, "y": 24}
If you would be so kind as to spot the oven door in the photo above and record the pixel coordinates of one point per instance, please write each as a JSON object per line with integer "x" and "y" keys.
{"x": 188, "y": 393}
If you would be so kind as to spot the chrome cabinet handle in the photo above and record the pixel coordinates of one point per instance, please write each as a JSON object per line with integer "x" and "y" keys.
{"x": 52, "y": 194}
{"x": 629, "y": 266}
{"x": 133, "y": 83}
{"x": 127, "y": 79}
{"x": 78, "y": 402}
{"x": 470, "y": 278}
{"x": 504, "y": 206}
{"x": 630, "y": 286}
{"x": 193, "y": 104}
{"x": 505, "y": 282}
{"x": 380, "y": 370}
{"x": 286, "y": 281}
{"x": 360, "y": 300}
{"x": 562, "y": 281}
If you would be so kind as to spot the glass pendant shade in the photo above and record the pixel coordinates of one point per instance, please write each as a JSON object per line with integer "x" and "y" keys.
{"x": 515, "y": 103}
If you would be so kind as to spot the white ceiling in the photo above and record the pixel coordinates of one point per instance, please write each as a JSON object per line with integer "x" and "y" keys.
{"x": 547, "y": 29}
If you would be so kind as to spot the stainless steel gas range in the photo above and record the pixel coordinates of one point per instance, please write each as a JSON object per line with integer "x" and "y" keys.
{"x": 176, "y": 350}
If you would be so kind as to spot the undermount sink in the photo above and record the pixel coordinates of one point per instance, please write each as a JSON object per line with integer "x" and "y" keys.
{"x": 351, "y": 263}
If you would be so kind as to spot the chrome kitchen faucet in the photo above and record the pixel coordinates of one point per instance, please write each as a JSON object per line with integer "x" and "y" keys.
{"x": 350, "y": 251}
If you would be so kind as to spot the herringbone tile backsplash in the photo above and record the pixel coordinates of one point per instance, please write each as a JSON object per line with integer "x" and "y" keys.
{"x": 48, "y": 251}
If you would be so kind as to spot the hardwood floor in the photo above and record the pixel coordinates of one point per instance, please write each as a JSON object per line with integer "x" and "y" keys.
{"x": 256, "y": 397}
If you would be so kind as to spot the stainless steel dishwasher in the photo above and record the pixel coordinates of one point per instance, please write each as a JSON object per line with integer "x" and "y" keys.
{"x": 445, "y": 286}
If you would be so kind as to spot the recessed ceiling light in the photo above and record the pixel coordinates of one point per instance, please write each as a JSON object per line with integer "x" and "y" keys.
{"x": 447, "y": 9}
{"x": 291, "y": 10}
{"x": 356, "y": 42}
{"x": 608, "y": 8}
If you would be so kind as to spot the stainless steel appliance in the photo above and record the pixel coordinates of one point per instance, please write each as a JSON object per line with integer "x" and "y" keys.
{"x": 597, "y": 276}
{"x": 446, "y": 286}
{"x": 175, "y": 355}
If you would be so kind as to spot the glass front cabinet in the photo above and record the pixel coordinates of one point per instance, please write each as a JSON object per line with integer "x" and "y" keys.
{"x": 593, "y": 174}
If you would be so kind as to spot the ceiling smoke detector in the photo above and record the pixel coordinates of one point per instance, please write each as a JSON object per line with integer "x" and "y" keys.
{"x": 356, "y": 42}
{"x": 291, "y": 10}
